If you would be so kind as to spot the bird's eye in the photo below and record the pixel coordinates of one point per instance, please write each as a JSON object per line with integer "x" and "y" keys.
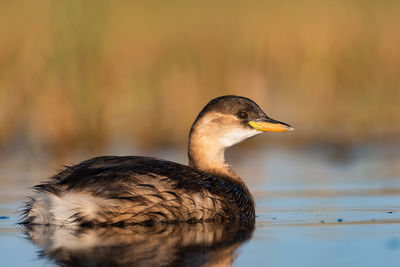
{"x": 243, "y": 115}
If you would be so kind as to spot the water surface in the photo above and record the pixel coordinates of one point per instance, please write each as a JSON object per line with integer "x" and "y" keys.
{"x": 315, "y": 207}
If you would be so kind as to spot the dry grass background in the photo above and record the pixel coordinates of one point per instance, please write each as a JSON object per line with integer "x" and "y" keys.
{"x": 87, "y": 74}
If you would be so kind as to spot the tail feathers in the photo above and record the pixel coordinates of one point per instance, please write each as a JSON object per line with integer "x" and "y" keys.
{"x": 49, "y": 208}
{"x": 37, "y": 210}
{"x": 71, "y": 209}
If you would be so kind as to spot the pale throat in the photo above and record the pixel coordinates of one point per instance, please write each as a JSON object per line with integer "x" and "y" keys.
{"x": 209, "y": 139}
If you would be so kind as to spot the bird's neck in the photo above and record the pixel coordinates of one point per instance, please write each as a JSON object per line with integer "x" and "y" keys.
{"x": 208, "y": 155}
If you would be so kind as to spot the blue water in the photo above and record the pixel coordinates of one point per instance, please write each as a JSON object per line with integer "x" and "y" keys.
{"x": 312, "y": 209}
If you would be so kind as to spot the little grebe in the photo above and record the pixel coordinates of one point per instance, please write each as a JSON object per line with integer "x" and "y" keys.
{"x": 114, "y": 190}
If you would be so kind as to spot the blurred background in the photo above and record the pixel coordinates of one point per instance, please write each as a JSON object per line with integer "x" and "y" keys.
{"x": 94, "y": 75}
{"x": 85, "y": 78}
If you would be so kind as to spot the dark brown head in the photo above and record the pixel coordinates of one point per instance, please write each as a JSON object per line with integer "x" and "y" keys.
{"x": 223, "y": 122}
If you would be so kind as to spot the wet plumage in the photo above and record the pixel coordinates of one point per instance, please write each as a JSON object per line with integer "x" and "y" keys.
{"x": 114, "y": 190}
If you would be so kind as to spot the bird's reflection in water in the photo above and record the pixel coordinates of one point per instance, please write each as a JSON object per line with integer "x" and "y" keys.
{"x": 199, "y": 244}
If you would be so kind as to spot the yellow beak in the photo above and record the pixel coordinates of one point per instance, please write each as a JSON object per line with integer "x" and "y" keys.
{"x": 270, "y": 125}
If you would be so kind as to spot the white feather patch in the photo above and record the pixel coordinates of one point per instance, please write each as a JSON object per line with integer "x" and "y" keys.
{"x": 52, "y": 209}
{"x": 236, "y": 135}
